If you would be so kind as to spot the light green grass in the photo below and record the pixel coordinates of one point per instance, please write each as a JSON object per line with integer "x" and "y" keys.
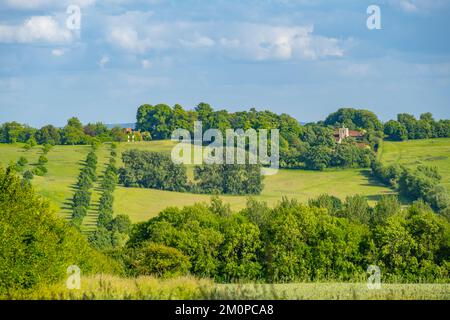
{"x": 141, "y": 204}
{"x": 432, "y": 152}
{"x": 105, "y": 287}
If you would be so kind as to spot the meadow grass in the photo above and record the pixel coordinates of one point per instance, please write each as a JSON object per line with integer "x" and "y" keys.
{"x": 431, "y": 152}
{"x": 141, "y": 204}
{"x": 106, "y": 287}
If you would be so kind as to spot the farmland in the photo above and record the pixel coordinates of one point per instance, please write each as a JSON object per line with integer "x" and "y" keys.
{"x": 142, "y": 204}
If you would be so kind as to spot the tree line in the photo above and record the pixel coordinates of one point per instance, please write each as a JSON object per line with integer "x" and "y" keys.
{"x": 407, "y": 127}
{"x": 112, "y": 232}
{"x": 327, "y": 239}
{"x": 421, "y": 183}
{"x": 82, "y": 198}
{"x": 73, "y": 133}
{"x": 156, "y": 170}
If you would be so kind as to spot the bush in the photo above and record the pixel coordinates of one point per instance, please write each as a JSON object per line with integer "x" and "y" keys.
{"x": 160, "y": 260}
{"x": 40, "y": 170}
{"x": 42, "y": 160}
{"x": 22, "y": 162}
{"x": 28, "y": 175}
{"x": 36, "y": 247}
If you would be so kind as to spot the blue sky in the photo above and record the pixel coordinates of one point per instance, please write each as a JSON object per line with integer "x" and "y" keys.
{"x": 302, "y": 57}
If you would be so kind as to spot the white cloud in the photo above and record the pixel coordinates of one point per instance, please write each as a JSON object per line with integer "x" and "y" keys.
{"x": 198, "y": 41}
{"x": 137, "y": 33}
{"x": 58, "y": 52}
{"x": 35, "y": 29}
{"x": 41, "y": 4}
{"x": 266, "y": 42}
{"x": 103, "y": 61}
{"x": 417, "y": 6}
{"x": 146, "y": 64}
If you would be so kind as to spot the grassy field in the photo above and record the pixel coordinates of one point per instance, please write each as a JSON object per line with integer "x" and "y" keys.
{"x": 432, "y": 152}
{"x": 105, "y": 287}
{"x": 141, "y": 204}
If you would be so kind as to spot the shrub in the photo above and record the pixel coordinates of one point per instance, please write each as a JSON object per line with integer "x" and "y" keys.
{"x": 22, "y": 162}
{"x": 36, "y": 247}
{"x": 42, "y": 160}
{"x": 160, "y": 260}
{"x": 28, "y": 175}
{"x": 40, "y": 170}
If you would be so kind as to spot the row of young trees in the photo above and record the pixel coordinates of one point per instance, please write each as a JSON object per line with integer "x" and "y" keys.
{"x": 421, "y": 183}
{"x": 22, "y": 165}
{"x": 112, "y": 232}
{"x": 82, "y": 198}
{"x": 157, "y": 171}
{"x": 325, "y": 240}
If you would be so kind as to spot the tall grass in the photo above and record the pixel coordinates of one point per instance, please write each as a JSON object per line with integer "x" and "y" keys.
{"x": 106, "y": 287}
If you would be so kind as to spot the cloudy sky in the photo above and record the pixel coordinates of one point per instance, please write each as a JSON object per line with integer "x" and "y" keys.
{"x": 303, "y": 57}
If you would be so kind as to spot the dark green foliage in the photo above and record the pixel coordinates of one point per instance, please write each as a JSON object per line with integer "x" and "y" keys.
{"x": 82, "y": 197}
{"x": 331, "y": 203}
{"x": 22, "y": 162}
{"x": 395, "y": 131}
{"x": 48, "y": 135}
{"x": 228, "y": 179}
{"x": 386, "y": 207}
{"x": 152, "y": 170}
{"x": 354, "y": 119}
{"x": 160, "y": 260}
{"x": 420, "y": 183}
{"x": 356, "y": 209}
{"x": 295, "y": 242}
{"x": 408, "y": 127}
{"x": 12, "y": 132}
{"x": 42, "y": 160}
{"x": 40, "y": 170}
{"x": 317, "y": 157}
{"x": 28, "y": 175}
{"x": 414, "y": 246}
{"x": 36, "y": 248}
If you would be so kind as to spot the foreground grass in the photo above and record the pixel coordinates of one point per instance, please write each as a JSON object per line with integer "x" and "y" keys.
{"x": 104, "y": 287}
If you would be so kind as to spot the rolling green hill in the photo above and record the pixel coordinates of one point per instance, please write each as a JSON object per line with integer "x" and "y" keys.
{"x": 142, "y": 204}
{"x": 430, "y": 152}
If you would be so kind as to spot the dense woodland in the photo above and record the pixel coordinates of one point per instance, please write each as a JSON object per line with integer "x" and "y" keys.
{"x": 157, "y": 171}
{"x": 310, "y": 146}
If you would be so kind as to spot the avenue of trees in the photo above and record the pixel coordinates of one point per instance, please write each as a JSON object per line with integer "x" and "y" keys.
{"x": 112, "y": 232}
{"x": 82, "y": 198}
{"x": 155, "y": 170}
